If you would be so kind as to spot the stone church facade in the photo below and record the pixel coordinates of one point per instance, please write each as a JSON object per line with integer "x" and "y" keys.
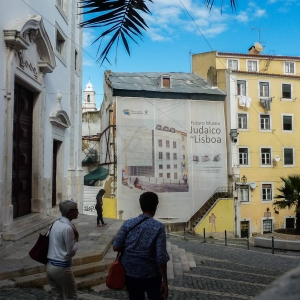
{"x": 40, "y": 108}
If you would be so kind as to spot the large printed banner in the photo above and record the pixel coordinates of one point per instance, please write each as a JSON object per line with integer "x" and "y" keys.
{"x": 175, "y": 148}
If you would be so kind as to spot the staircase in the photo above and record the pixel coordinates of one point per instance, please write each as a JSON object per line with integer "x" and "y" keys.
{"x": 26, "y": 225}
{"x": 220, "y": 192}
{"x": 91, "y": 270}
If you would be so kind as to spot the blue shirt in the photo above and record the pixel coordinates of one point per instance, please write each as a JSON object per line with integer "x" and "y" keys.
{"x": 144, "y": 247}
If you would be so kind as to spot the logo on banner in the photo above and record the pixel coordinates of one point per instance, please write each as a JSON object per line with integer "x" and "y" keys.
{"x": 129, "y": 112}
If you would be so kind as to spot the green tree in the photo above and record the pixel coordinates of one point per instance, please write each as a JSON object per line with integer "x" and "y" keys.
{"x": 290, "y": 196}
{"x": 122, "y": 20}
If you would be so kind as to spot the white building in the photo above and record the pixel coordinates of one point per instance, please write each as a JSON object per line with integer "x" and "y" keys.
{"x": 152, "y": 127}
{"x": 40, "y": 108}
{"x": 89, "y": 101}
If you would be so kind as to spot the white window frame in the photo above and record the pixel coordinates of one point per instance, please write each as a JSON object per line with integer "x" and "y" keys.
{"x": 293, "y": 149}
{"x": 162, "y": 81}
{"x": 292, "y": 92}
{"x": 168, "y": 155}
{"x": 287, "y": 115}
{"x": 174, "y": 144}
{"x": 259, "y": 119}
{"x": 272, "y": 192}
{"x": 240, "y": 192}
{"x": 262, "y": 223}
{"x": 167, "y": 143}
{"x": 247, "y": 121}
{"x": 260, "y": 157}
{"x": 160, "y": 155}
{"x": 63, "y": 9}
{"x": 269, "y": 84}
{"x": 160, "y": 175}
{"x": 160, "y": 167}
{"x": 168, "y": 167}
{"x": 175, "y": 175}
{"x": 160, "y": 142}
{"x": 61, "y": 55}
{"x": 175, "y": 156}
{"x": 248, "y": 158}
{"x": 289, "y": 62}
{"x": 252, "y": 60}
{"x": 233, "y": 59}
{"x": 246, "y": 87}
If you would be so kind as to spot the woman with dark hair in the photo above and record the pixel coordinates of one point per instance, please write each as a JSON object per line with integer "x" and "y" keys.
{"x": 142, "y": 241}
{"x": 99, "y": 208}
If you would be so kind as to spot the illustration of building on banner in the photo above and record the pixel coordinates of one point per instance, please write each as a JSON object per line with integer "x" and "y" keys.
{"x": 155, "y": 159}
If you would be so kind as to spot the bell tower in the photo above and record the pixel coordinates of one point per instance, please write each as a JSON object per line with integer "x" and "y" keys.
{"x": 89, "y": 103}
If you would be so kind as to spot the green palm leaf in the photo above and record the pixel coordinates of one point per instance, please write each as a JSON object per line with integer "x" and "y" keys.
{"x": 120, "y": 17}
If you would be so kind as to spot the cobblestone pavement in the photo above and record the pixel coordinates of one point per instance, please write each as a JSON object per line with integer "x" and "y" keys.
{"x": 223, "y": 272}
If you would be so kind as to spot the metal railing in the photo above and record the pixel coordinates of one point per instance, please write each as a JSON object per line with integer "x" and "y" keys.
{"x": 220, "y": 192}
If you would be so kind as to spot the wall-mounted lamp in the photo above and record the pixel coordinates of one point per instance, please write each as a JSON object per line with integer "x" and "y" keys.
{"x": 244, "y": 179}
{"x": 234, "y": 135}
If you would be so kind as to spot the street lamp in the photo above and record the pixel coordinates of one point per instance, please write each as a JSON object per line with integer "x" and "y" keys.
{"x": 244, "y": 179}
{"x": 234, "y": 135}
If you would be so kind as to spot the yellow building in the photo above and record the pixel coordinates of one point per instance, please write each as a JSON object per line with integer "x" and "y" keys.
{"x": 262, "y": 105}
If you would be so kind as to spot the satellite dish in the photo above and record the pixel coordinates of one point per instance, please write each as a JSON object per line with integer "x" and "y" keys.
{"x": 276, "y": 158}
{"x": 258, "y": 47}
{"x": 252, "y": 185}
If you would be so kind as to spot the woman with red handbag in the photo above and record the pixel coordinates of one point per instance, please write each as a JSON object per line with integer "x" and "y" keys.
{"x": 63, "y": 244}
{"x": 142, "y": 241}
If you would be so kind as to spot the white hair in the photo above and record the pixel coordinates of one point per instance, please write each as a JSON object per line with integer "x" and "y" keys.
{"x": 66, "y": 205}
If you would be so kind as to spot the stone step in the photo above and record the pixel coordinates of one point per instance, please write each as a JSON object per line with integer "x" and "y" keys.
{"x": 27, "y": 219}
{"x": 91, "y": 280}
{"x": 91, "y": 259}
{"x": 28, "y": 228}
{"x": 82, "y": 274}
{"x": 191, "y": 260}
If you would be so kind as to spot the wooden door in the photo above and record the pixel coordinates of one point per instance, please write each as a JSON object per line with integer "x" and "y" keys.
{"x": 22, "y": 152}
{"x": 244, "y": 229}
{"x": 54, "y": 170}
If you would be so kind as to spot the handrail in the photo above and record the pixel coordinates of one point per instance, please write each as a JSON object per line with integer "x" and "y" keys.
{"x": 206, "y": 206}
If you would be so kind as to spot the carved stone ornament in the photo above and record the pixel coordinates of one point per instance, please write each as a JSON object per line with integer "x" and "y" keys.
{"x": 21, "y": 33}
{"x": 27, "y": 64}
{"x": 61, "y": 119}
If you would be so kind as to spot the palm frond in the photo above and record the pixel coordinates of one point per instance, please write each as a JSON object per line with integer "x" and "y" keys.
{"x": 210, "y": 3}
{"x": 289, "y": 193}
{"x": 121, "y": 18}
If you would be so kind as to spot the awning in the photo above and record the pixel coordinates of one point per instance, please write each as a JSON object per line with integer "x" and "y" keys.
{"x": 98, "y": 174}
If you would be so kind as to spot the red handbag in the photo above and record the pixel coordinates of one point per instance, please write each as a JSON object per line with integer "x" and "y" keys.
{"x": 39, "y": 251}
{"x": 116, "y": 276}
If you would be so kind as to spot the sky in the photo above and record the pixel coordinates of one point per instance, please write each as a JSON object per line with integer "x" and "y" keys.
{"x": 172, "y": 36}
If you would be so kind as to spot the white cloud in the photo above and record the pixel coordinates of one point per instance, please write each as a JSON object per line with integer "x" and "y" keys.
{"x": 86, "y": 62}
{"x": 87, "y": 37}
{"x": 242, "y": 17}
{"x": 169, "y": 18}
{"x": 260, "y": 12}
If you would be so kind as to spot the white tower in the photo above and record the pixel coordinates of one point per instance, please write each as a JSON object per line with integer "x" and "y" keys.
{"x": 89, "y": 103}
